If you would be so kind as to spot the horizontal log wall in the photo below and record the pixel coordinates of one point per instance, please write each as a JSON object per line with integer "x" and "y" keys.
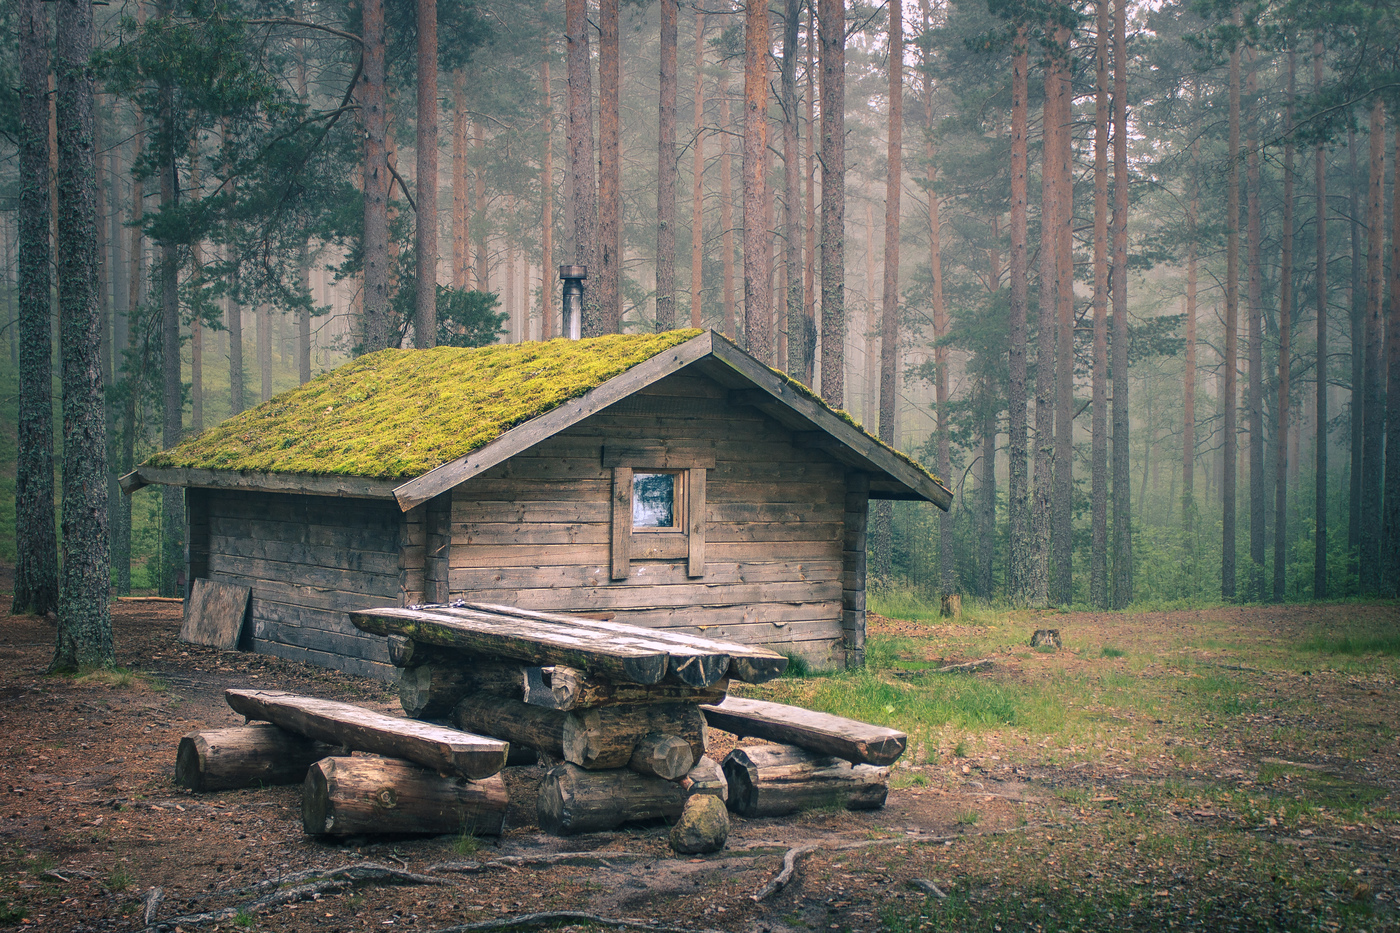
{"x": 308, "y": 559}
{"x": 535, "y": 531}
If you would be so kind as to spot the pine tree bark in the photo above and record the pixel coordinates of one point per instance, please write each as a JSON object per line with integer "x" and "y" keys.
{"x": 172, "y": 401}
{"x": 609, "y": 170}
{"x": 84, "y": 618}
{"x": 697, "y": 196}
{"x": 798, "y": 351}
{"x": 987, "y": 494}
{"x": 1188, "y": 427}
{"x": 1232, "y": 311}
{"x": 36, "y": 550}
{"x": 1373, "y": 435}
{"x": 1019, "y": 573}
{"x": 1320, "y": 378}
{"x": 948, "y": 577}
{"x": 581, "y": 164}
{"x": 1054, "y": 124}
{"x": 196, "y": 326}
{"x": 264, "y": 326}
{"x": 1062, "y": 499}
{"x": 303, "y": 279}
{"x": 758, "y": 307}
{"x": 547, "y": 267}
{"x": 461, "y": 203}
{"x": 1254, "y": 401}
{"x": 1390, "y": 530}
{"x": 831, "y": 15}
{"x": 1098, "y": 455}
{"x": 666, "y": 170}
{"x": 1356, "y": 301}
{"x": 1285, "y": 337}
{"x": 809, "y": 264}
{"x": 889, "y": 297}
{"x": 483, "y": 266}
{"x": 126, "y": 440}
{"x": 726, "y": 206}
{"x": 1122, "y": 528}
{"x": 425, "y": 227}
{"x": 375, "y": 322}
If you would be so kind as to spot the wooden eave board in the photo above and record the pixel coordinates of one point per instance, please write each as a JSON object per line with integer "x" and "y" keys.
{"x": 762, "y": 664}
{"x": 354, "y": 487}
{"x": 855, "y": 741}
{"x": 536, "y": 642}
{"x": 214, "y": 614}
{"x": 438, "y": 747}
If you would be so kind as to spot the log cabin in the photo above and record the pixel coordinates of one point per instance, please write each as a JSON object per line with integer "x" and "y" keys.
{"x": 667, "y": 480}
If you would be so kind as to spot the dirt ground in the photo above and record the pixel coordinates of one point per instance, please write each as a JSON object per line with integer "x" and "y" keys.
{"x": 94, "y": 834}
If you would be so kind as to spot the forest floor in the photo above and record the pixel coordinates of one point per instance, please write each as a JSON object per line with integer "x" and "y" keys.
{"x": 1214, "y": 769}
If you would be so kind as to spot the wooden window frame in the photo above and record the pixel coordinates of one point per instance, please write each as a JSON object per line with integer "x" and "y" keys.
{"x": 687, "y": 539}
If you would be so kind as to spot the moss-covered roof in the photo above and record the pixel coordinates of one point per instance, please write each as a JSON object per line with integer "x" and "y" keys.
{"x": 397, "y": 414}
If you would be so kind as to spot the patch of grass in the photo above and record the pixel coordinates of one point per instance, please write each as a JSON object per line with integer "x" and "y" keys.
{"x": 119, "y": 678}
{"x": 120, "y": 879}
{"x": 1111, "y": 652}
{"x": 243, "y": 920}
{"x": 904, "y": 603}
{"x": 1387, "y": 644}
{"x": 466, "y": 844}
{"x": 968, "y": 818}
{"x": 796, "y": 667}
{"x": 11, "y": 914}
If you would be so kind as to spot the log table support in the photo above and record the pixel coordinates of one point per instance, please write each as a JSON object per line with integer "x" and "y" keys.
{"x": 773, "y": 780}
{"x": 256, "y": 755}
{"x": 574, "y": 801}
{"x": 345, "y": 796}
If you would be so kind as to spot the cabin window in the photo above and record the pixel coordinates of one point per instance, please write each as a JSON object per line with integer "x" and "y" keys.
{"x": 656, "y": 500}
{"x": 658, "y": 507}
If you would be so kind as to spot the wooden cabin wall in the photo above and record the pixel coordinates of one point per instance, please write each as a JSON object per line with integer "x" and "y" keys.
{"x": 534, "y": 532}
{"x": 307, "y": 559}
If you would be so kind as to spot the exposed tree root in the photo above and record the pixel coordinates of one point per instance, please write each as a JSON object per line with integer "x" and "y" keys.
{"x": 552, "y": 918}
{"x": 784, "y": 876}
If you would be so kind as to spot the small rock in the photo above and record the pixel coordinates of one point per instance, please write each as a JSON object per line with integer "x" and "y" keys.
{"x": 703, "y": 826}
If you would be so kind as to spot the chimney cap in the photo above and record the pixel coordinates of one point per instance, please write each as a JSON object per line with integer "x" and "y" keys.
{"x": 573, "y": 272}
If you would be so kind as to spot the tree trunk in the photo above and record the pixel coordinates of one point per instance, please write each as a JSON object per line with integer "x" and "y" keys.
{"x": 121, "y": 537}
{"x": 1285, "y": 336}
{"x": 1054, "y": 123}
{"x": 1356, "y": 299}
{"x": 547, "y": 267}
{"x": 84, "y": 619}
{"x": 697, "y": 197}
{"x": 1019, "y": 573}
{"x": 1062, "y": 498}
{"x": 987, "y": 492}
{"x": 36, "y": 550}
{"x": 461, "y": 201}
{"x": 1122, "y": 529}
{"x": 889, "y": 304}
{"x": 255, "y": 755}
{"x": 581, "y": 164}
{"x": 1188, "y": 427}
{"x": 809, "y": 265}
{"x": 758, "y": 308}
{"x": 426, "y": 184}
{"x": 375, "y": 312}
{"x": 196, "y": 325}
{"x": 264, "y": 325}
{"x": 609, "y": 276}
{"x": 172, "y": 401}
{"x": 1320, "y": 378}
{"x": 483, "y": 270}
{"x": 831, "y": 15}
{"x": 666, "y": 170}
{"x": 798, "y": 351}
{"x": 1373, "y": 436}
{"x": 1098, "y": 494}
{"x": 1232, "y": 310}
{"x": 1255, "y": 391}
{"x": 303, "y": 279}
{"x": 1390, "y": 542}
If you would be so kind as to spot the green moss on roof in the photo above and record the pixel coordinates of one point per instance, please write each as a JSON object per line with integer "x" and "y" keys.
{"x": 397, "y": 414}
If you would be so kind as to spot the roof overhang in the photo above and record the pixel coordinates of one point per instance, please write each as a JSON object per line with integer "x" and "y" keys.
{"x": 749, "y": 381}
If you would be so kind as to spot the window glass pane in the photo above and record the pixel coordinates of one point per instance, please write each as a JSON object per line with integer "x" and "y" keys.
{"x": 653, "y": 500}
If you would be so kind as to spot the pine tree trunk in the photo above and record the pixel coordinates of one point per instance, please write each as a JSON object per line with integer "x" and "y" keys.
{"x": 426, "y": 183}
{"x": 172, "y": 402}
{"x": 1122, "y": 529}
{"x": 889, "y": 304}
{"x": 1356, "y": 301}
{"x": 196, "y": 326}
{"x": 1054, "y": 124}
{"x": 726, "y": 207}
{"x": 121, "y": 533}
{"x": 1062, "y": 498}
{"x": 303, "y": 278}
{"x": 697, "y": 196}
{"x": 1255, "y": 392}
{"x": 84, "y": 619}
{"x": 809, "y": 264}
{"x": 1098, "y": 493}
{"x": 831, "y": 15}
{"x": 796, "y": 321}
{"x": 608, "y": 282}
{"x": 36, "y": 550}
{"x": 1320, "y": 443}
{"x": 1285, "y": 336}
{"x": 987, "y": 493}
{"x": 1373, "y": 436}
{"x": 483, "y": 269}
{"x": 1019, "y": 573}
{"x": 581, "y": 164}
{"x": 1232, "y": 311}
{"x": 1188, "y": 427}
{"x": 1390, "y": 542}
{"x": 666, "y": 171}
{"x": 375, "y": 313}
{"x": 547, "y": 267}
{"x": 461, "y": 203}
{"x": 948, "y": 578}
{"x": 758, "y": 308}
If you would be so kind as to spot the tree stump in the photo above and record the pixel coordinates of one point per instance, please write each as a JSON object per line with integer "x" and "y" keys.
{"x": 1046, "y": 638}
{"x": 345, "y": 796}
{"x": 951, "y": 605}
{"x": 774, "y": 780}
{"x": 257, "y": 755}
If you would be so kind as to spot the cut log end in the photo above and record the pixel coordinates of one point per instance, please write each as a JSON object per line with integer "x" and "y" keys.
{"x": 664, "y": 756}
{"x": 255, "y": 755}
{"x": 775, "y": 780}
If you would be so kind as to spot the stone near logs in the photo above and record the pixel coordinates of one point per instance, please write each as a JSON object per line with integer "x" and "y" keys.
{"x": 663, "y": 756}
{"x": 703, "y": 826}
{"x": 348, "y": 796}
{"x": 773, "y": 780}
{"x": 574, "y": 801}
{"x": 256, "y": 755}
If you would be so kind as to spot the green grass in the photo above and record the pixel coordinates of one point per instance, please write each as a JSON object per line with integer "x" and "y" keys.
{"x": 1387, "y": 644}
{"x": 1110, "y": 652}
{"x": 120, "y": 879}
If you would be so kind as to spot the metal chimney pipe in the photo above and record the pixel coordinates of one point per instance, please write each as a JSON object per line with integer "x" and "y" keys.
{"x": 573, "y": 277}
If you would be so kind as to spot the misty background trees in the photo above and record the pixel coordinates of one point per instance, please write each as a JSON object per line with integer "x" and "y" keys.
{"x": 1020, "y": 240}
